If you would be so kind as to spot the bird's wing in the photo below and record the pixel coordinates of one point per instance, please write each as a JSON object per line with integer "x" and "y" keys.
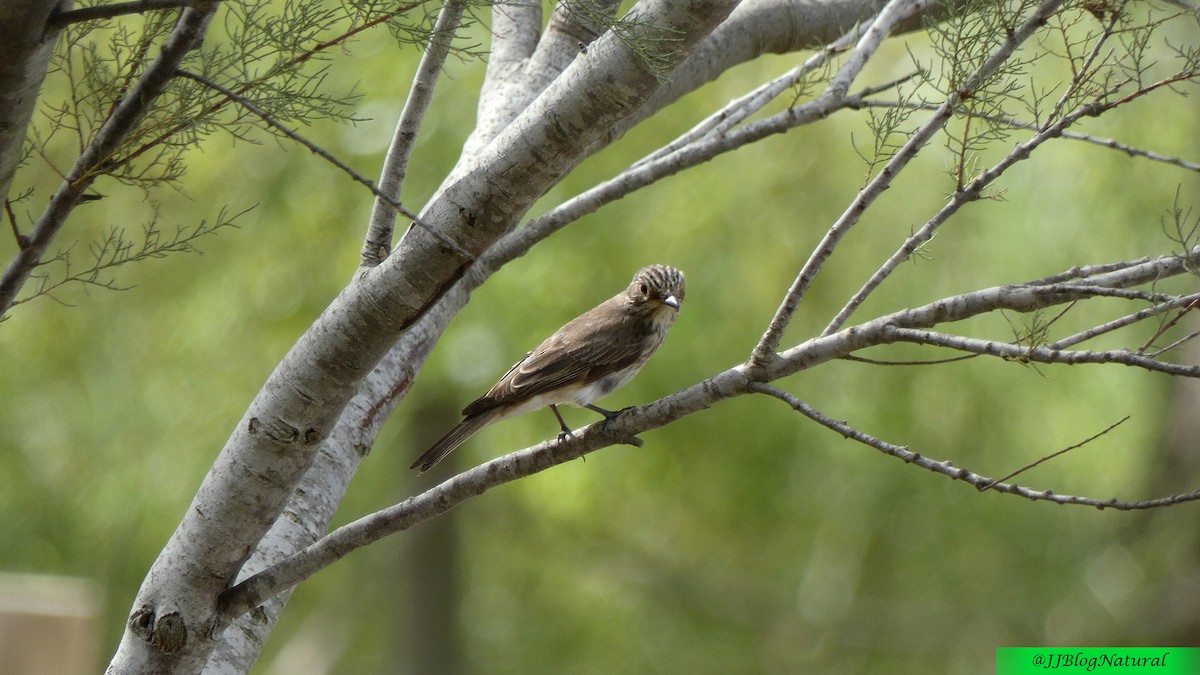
{"x": 587, "y": 349}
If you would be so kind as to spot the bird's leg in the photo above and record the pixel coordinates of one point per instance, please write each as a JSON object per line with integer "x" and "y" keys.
{"x": 566, "y": 430}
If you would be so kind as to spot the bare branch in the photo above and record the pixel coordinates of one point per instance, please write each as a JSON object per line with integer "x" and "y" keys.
{"x": 970, "y": 193}
{"x": 323, "y": 154}
{"x": 767, "y": 345}
{"x": 1086, "y": 271}
{"x": 60, "y": 19}
{"x": 1132, "y": 151}
{"x": 1169, "y": 324}
{"x": 1037, "y": 354}
{"x": 689, "y": 150}
{"x": 256, "y": 589}
{"x": 1052, "y": 455}
{"x": 866, "y": 39}
{"x": 1124, "y": 321}
{"x": 948, "y": 469}
{"x": 736, "y": 381}
{"x": 1112, "y": 144}
{"x": 740, "y": 109}
{"x": 1017, "y": 297}
{"x": 378, "y": 243}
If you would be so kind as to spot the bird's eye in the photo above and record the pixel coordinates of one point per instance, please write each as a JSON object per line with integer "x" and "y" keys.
{"x": 645, "y": 289}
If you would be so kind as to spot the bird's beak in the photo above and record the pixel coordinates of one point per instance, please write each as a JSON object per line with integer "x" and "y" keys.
{"x": 671, "y": 301}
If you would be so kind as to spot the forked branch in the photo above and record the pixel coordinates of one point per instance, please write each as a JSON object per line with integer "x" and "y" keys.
{"x": 1107, "y": 280}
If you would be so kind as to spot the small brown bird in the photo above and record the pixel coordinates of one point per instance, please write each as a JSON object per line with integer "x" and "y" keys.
{"x": 584, "y": 361}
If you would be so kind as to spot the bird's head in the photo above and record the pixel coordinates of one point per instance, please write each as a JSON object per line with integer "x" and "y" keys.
{"x": 657, "y": 285}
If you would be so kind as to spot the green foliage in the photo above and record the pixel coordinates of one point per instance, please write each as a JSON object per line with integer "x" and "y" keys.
{"x": 274, "y": 55}
{"x": 115, "y": 251}
{"x": 742, "y": 539}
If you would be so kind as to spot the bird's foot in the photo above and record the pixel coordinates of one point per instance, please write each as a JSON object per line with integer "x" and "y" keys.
{"x": 609, "y": 415}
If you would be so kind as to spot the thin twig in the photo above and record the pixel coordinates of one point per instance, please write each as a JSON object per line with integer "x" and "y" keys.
{"x": 22, "y": 241}
{"x": 1159, "y": 352}
{"x": 1122, "y": 322}
{"x": 768, "y": 344}
{"x": 60, "y": 19}
{"x": 957, "y": 473}
{"x": 963, "y": 196}
{"x": 300, "y": 58}
{"x": 739, "y": 109}
{"x": 316, "y": 150}
{"x": 930, "y": 362}
{"x": 1080, "y": 444}
{"x": 1037, "y": 354}
{"x": 1168, "y": 325}
{"x": 860, "y": 102}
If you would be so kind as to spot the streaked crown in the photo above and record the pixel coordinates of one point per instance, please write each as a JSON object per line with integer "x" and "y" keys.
{"x": 661, "y": 283}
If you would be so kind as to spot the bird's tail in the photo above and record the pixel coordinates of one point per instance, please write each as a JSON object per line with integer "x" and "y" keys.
{"x": 454, "y": 438}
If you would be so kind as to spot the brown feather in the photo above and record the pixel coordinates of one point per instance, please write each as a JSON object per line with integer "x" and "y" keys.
{"x": 454, "y": 438}
{"x": 584, "y": 360}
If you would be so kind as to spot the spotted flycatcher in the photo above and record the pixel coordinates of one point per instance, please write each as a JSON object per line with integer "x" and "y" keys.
{"x": 584, "y": 361}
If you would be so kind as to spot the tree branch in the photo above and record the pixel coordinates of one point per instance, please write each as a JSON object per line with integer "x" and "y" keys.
{"x": 686, "y": 152}
{"x": 948, "y": 469}
{"x": 760, "y": 27}
{"x": 63, "y": 18}
{"x": 767, "y": 345}
{"x": 270, "y": 121}
{"x": 516, "y": 28}
{"x": 1058, "y": 453}
{"x": 188, "y": 33}
{"x": 970, "y": 193}
{"x": 284, "y": 428}
{"x": 739, "y": 380}
{"x": 378, "y": 243}
{"x": 471, "y": 483}
{"x": 1127, "y": 320}
{"x": 1037, "y": 354}
{"x": 740, "y": 109}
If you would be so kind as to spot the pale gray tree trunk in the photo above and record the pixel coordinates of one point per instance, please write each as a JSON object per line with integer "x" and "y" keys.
{"x": 293, "y": 424}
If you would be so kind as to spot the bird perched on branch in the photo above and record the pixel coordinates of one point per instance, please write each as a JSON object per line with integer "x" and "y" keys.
{"x": 583, "y": 361}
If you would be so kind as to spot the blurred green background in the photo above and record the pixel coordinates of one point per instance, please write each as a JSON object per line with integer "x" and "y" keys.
{"x": 742, "y": 539}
